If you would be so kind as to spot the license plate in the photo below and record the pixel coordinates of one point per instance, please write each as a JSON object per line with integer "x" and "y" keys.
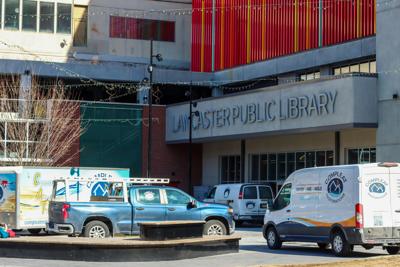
{"x": 264, "y": 205}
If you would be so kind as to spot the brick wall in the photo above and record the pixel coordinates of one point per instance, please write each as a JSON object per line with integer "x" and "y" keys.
{"x": 170, "y": 161}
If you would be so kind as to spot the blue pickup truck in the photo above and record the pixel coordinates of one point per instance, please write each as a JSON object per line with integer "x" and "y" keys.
{"x": 120, "y": 211}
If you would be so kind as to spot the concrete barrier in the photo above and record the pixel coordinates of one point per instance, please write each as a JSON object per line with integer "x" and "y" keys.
{"x": 115, "y": 249}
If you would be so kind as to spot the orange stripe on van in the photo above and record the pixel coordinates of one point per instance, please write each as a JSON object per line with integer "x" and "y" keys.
{"x": 351, "y": 222}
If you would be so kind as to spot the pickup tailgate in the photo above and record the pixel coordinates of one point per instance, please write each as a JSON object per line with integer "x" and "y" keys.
{"x": 56, "y": 212}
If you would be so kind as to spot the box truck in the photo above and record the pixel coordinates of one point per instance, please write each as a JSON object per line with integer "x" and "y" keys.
{"x": 25, "y": 192}
{"x": 340, "y": 206}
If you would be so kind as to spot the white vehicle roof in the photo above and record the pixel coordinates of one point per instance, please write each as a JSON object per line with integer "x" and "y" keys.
{"x": 358, "y": 167}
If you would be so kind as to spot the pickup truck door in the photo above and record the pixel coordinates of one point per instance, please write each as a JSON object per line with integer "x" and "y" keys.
{"x": 178, "y": 206}
{"x": 147, "y": 206}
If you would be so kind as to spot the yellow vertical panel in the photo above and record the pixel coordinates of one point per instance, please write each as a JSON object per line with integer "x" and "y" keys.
{"x": 296, "y": 25}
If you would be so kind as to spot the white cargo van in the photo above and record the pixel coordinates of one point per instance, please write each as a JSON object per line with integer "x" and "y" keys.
{"x": 248, "y": 201}
{"x": 340, "y": 205}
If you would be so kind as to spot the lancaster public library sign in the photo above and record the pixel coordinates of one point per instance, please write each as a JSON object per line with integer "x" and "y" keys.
{"x": 319, "y": 105}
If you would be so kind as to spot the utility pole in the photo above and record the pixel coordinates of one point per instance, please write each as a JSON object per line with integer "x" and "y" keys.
{"x": 150, "y": 99}
{"x": 190, "y": 136}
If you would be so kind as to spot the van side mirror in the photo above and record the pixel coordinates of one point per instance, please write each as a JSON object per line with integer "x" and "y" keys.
{"x": 192, "y": 204}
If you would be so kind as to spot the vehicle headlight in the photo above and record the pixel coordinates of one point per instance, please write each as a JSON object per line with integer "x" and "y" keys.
{"x": 230, "y": 210}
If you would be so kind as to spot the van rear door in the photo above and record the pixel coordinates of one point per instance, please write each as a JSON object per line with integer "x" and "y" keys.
{"x": 395, "y": 199}
{"x": 266, "y": 197}
{"x": 378, "y": 197}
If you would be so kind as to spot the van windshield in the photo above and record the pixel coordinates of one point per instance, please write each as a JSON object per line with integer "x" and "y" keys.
{"x": 283, "y": 199}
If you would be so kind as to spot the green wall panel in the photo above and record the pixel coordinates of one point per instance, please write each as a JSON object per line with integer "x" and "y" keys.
{"x": 113, "y": 136}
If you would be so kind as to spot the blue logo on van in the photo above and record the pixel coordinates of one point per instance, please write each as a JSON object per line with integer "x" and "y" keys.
{"x": 335, "y": 186}
{"x": 227, "y": 192}
{"x": 377, "y": 187}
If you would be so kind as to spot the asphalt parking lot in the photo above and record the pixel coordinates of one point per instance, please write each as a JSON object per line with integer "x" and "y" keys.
{"x": 253, "y": 251}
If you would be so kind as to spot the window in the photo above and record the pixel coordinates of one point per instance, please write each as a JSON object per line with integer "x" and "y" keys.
{"x": 59, "y": 192}
{"x": 63, "y": 18}
{"x": 148, "y": 196}
{"x": 364, "y": 67}
{"x": 80, "y": 25}
{"x": 211, "y": 194}
{"x": 230, "y": 169}
{"x": 11, "y": 14}
{"x": 300, "y": 160}
{"x": 361, "y": 155}
{"x": 310, "y": 76}
{"x": 250, "y": 192}
{"x": 265, "y": 192}
{"x": 283, "y": 199}
{"x": 175, "y": 197}
{"x": 46, "y": 17}
{"x": 255, "y": 167}
{"x": 275, "y": 168}
{"x": 29, "y": 11}
{"x": 142, "y": 29}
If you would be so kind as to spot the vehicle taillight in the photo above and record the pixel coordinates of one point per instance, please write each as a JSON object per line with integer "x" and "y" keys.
{"x": 241, "y": 195}
{"x": 359, "y": 216}
{"x": 64, "y": 210}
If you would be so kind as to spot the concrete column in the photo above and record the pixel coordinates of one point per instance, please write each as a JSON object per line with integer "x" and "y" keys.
{"x": 142, "y": 95}
{"x": 388, "y": 67}
{"x": 24, "y": 90}
{"x": 217, "y": 91}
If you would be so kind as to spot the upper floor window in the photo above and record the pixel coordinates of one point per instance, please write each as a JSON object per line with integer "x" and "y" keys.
{"x": 142, "y": 29}
{"x": 364, "y": 67}
{"x": 11, "y": 14}
{"x": 29, "y": 11}
{"x": 46, "y": 17}
{"x": 63, "y": 18}
{"x": 43, "y": 16}
{"x": 310, "y": 76}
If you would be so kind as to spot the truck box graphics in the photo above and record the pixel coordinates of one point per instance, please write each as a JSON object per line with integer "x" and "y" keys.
{"x": 31, "y": 189}
{"x": 7, "y": 196}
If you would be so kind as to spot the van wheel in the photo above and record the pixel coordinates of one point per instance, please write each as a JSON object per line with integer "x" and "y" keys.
{"x": 96, "y": 229}
{"x": 340, "y": 246}
{"x": 214, "y": 227}
{"x": 323, "y": 245}
{"x": 393, "y": 250}
{"x": 273, "y": 240}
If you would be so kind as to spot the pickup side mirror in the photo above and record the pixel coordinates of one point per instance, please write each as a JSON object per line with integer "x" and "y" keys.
{"x": 192, "y": 204}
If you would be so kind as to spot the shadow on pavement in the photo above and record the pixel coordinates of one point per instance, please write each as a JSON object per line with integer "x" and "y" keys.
{"x": 304, "y": 251}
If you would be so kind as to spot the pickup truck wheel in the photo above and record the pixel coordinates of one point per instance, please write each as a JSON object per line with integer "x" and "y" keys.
{"x": 96, "y": 229}
{"x": 214, "y": 227}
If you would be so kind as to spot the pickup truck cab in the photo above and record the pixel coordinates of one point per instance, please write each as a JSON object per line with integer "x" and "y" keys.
{"x": 125, "y": 205}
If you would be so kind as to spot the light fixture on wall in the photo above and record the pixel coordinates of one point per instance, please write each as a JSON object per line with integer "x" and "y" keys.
{"x": 63, "y": 43}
